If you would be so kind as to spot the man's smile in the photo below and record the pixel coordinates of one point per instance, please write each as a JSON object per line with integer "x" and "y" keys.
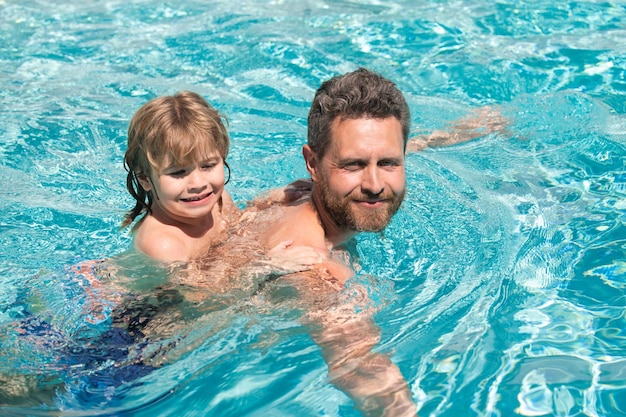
{"x": 371, "y": 203}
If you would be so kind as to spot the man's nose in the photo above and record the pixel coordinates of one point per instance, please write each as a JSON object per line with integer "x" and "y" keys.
{"x": 372, "y": 182}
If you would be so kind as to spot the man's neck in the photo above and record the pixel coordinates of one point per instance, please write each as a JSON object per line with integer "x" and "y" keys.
{"x": 334, "y": 233}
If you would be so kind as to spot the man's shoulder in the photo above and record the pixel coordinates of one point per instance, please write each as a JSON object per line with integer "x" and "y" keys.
{"x": 301, "y": 224}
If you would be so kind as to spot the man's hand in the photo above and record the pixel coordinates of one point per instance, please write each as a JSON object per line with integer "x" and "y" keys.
{"x": 285, "y": 258}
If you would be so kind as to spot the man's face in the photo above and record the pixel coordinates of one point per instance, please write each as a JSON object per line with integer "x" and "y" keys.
{"x": 361, "y": 178}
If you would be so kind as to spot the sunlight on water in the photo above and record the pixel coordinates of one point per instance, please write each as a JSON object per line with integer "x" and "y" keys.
{"x": 499, "y": 286}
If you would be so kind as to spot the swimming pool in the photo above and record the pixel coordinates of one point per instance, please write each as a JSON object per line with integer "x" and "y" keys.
{"x": 507, "y": 260}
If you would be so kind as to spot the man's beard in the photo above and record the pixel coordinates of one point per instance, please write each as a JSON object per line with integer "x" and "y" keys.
{"x": 347, "y": 215}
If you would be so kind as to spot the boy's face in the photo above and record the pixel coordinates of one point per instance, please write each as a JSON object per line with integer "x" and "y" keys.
{"x": 186, "y": 193}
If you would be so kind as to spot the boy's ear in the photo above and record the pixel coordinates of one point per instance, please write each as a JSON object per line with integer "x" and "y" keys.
{"x": 311, "y": 162}
{"x": 144, "y": 181}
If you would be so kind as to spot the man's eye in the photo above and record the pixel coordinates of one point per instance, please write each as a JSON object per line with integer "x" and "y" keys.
{"x": 353, "y": 166}
{"x": 209, "y": 165}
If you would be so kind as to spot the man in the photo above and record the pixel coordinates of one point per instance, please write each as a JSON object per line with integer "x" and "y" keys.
{"x": 358, "y": 133}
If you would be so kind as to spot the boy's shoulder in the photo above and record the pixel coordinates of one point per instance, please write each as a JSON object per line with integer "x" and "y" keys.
{"x": 161, "y": 242}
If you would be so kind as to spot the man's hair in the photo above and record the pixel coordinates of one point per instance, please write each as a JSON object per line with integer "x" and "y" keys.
{"x": 358, "y": 94}
{"x": 178, "y": 129}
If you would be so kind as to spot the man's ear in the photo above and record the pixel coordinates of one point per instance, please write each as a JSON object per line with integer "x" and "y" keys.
{"x": 311, "y": 161}
{"x": 144, "y": 181}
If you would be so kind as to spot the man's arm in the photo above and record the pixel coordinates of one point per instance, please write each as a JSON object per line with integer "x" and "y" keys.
{"x": 347, "y": 334}
{"x": 481, "y": 122}
{"x": 370, "y": 379}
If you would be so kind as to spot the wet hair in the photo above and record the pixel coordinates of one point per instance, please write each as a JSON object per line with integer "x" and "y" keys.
{"x": 178, "y": 129}
{"x": 358, "y": 94}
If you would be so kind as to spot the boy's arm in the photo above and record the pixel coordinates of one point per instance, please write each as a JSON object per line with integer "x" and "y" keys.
{"x": 282, "y": 195}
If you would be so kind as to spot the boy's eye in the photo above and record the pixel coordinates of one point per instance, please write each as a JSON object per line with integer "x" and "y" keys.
{"x": 176, "y": 172}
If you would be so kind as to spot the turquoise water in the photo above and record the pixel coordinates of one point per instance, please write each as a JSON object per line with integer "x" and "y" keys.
{"x": 501, "y": 280}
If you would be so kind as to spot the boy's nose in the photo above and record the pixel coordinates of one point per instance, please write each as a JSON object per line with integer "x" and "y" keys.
{"x": 196, "y": 179}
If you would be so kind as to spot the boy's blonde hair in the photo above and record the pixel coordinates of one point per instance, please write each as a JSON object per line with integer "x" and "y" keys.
{"x": 178, "y": 129}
